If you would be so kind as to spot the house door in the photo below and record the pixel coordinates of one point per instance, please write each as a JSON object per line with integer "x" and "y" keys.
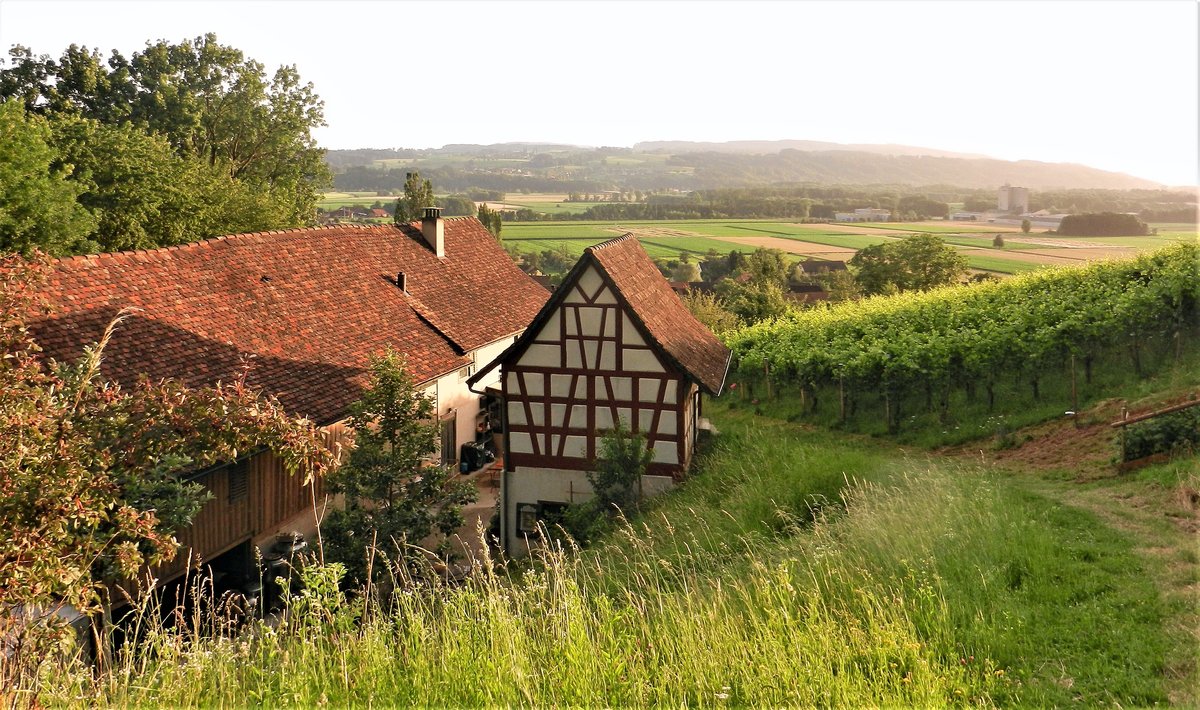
{"x": 449, "y": 437}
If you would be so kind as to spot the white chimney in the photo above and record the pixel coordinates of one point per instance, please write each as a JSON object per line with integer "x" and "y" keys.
{"x": 434, "y": 230}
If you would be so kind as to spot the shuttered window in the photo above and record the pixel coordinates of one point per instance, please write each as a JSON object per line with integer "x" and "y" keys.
{"x": 239, "y": 481}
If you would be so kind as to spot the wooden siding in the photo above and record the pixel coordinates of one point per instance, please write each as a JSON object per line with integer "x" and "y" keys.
{"x": 273, "y": 496}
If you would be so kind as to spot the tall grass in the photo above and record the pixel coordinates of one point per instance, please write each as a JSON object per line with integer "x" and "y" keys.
{"x": 797, "y": 570}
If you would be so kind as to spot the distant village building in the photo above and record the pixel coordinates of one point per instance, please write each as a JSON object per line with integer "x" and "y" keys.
{"x": 1012, "y": 200}
{"x": 863, "y": 214}
{"x": 613, "y": 343}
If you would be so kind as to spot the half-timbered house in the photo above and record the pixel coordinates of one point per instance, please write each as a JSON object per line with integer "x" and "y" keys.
{"x": 613, "y": 343}
{"x": 303, "y": 310}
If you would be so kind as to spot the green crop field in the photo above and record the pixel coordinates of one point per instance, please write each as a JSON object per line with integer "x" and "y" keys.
{"x": 552, "y": 208}
{"x": 532, "y": 231}
{"x": 848, "y": 241}
{"x": 993, "y": 263}
{"x": 1141, "y": 242}
{"x": 696, "y": 245}
{"x": 985, "y": 242}
{"x": 927, "y": 228}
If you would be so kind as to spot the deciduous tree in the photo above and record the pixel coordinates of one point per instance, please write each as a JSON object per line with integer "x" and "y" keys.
{"x": 418, "y": 194}
{"x": 915, "y": 263}
{"x": 395, "y": 496}
{"x": 490, "y": 219}
{"x": 38, "y": 199}
{"x": 208, "y": 101}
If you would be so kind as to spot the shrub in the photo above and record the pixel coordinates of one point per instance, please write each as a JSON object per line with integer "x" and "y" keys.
{"x": 1165, "y": 434}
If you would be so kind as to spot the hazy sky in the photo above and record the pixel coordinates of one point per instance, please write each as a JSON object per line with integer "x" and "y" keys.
{"x": 1107, "y": 84}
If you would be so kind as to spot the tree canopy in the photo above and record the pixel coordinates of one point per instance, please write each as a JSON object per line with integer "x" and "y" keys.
{"x": 178, "y": 142}
{"x": 1102, "y": 224}
{"x": 394, "y": 496}
{"x": 38, "y": 199}
{"x": 915, "y": 263}
{"x": 418, "y": 194}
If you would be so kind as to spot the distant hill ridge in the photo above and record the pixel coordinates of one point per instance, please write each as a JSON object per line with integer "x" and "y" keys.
{"x": 764, "y": 147}
{"x": 698, "y": 165}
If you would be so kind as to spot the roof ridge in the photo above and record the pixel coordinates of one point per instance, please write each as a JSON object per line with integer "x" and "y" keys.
{"x": 614, "y": 240}
{"x": 208, "y": 241}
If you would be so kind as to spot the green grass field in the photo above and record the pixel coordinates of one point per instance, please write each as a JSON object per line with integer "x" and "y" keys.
{"x": 927, "y": 228}
{"x": 697, "y": 236}
{"x": 998, "y": 264}
{"x": 985, "y": 242}
{"x": 1144, "y": 243}
{"x": 795, "y": 568}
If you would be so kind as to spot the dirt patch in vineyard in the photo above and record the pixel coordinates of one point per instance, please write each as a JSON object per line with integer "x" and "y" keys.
{"x": 1085, "y": 447}
{"x": 791, "y": 246}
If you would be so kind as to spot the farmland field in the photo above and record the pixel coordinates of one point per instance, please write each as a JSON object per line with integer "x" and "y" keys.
{"x": 940, "y": 227}
{"x": 1019, "y": 254}
{"x": 985, "y": 262}
{"x": 837, "y": 241}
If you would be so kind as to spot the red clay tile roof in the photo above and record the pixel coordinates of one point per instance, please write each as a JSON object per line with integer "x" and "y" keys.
{"x": 669, "y": 323}
{"x": 304, "y": 308}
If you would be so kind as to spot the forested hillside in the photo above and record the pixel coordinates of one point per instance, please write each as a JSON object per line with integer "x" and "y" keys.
{"x": 543, "y": 168}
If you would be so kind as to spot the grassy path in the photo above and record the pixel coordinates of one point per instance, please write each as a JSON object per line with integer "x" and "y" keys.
{"x": 1095, "y": 601}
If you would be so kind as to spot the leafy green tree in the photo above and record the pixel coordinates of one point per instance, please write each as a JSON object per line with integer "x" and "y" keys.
{"x": 418, "y": 194}
{"x": 1026, "y": 225}
{"x": 685, "y": 272}
{"x": 456, "y": 205}
{"x": 709, "y": 310}
{"x": 38, "y": 199}
{"x": 210, "y": 102}
{"x": 1102, "y": 224}
{"x": 841, "y": 285}
{"x": 753, "y": 302}
{"x": 90, "y": 471}
{"x": 767, "y": 266}
{"x": 915, "y": 263}
{"x": 623, "y": 460}
{"x": 395, "y": 496}
{"x": 717, "y": 266}
{"x": 998, "y": 240}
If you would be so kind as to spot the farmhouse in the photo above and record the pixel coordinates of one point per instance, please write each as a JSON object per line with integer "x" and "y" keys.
{"x": 613, "y": 343}
{"x": 303, "y": 309}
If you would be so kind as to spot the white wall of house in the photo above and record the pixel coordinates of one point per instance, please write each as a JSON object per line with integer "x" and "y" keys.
{"x": 451, "y": 394}
{"x": 529, "y": 486}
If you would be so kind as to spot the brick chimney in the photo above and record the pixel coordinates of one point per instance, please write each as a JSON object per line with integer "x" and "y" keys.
{"x": 434, "y": 230}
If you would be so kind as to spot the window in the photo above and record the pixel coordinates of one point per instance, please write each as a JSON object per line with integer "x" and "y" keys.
{"x": 545, "y": 512}
{"x": 527, "y": 518}
{"x": 239, "y": 477}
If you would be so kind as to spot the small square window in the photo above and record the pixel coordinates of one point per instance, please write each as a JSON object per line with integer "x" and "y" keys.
{"x": 527, "y": 515}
